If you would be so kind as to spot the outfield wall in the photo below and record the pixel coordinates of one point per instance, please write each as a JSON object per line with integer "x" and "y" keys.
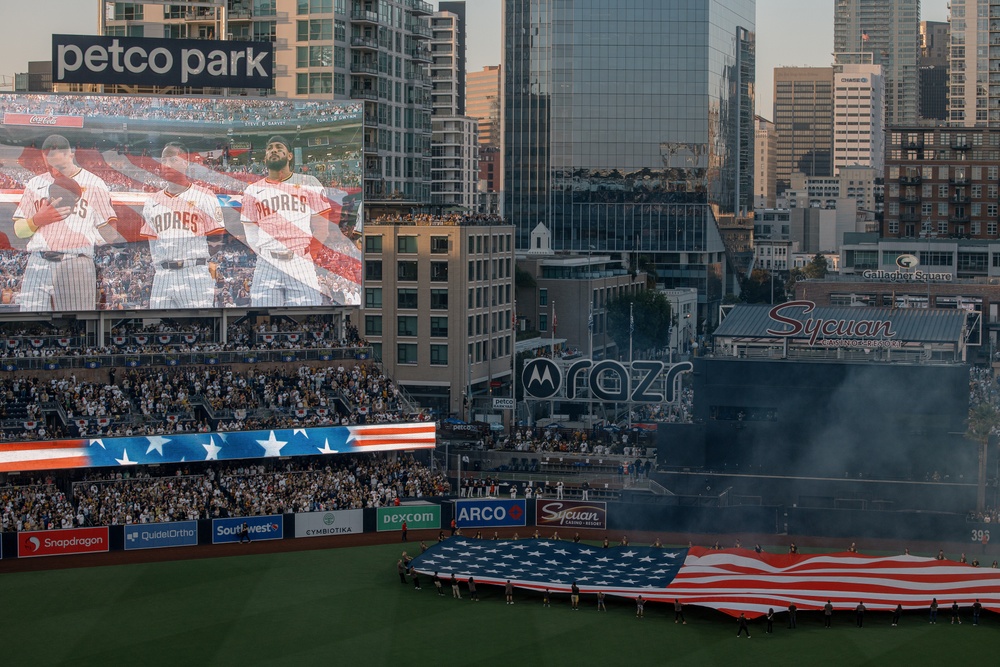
{"x": 487, "y": 515}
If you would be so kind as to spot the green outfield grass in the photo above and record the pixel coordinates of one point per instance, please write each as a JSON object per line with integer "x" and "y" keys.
{"x": 347, "y": 607}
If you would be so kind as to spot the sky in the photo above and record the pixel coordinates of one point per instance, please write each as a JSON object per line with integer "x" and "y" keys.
{"x": 789, "y": 33}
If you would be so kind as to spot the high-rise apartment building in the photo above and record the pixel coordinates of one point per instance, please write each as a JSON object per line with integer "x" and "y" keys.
{"x": 858, "y": 117}
{"x": 933, "y": 65}
{"x": 974, "y": 86}
{"x": 803, "y": 119}
{"x": 455, "y": 165}
{"x": 888, "y": 32}
{"x": 628, "y": 127}
{"x": 371, "y": 50}
{"x": 765, "y": 163}
{"x": 483, "y": 99}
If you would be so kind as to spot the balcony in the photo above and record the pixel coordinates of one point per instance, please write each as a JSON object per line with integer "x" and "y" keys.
{"x": 420, "y": 8}
{"x": 364, "y": 68}
{"x": 914, "y": 145}
{"x": 960, "y": 219}
{"x": 910, "y": 179}
{"x": 362, "y": 16}
{"x": 909, "y": 217}
{"x": 960, "y": 145}
{"x": 959, "y": 180}
{"x": 364, "y": 94}
{"x": 960, "y": 199}
{"x": 371, "y": 148}
{"x": 364, "y": 43}
{"x": 419, "y": 31}
{"x": 421, "y": 55}
{"x": 909, "y": 199}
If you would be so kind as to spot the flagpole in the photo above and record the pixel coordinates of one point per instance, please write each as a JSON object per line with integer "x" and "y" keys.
{"x": 631, "y": 328}
{"x": 513, "y": 363}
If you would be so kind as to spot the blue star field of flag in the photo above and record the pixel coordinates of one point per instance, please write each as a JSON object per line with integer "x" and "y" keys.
{"x": 553, "y": 564}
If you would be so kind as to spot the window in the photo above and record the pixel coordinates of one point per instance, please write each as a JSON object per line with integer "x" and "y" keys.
{"x": 315, "y": 7}
{"x": 314, "y": 82}
{"x": 439, "y": 327}
{"x": 439, "y": 272}
{"x": 314, "y": 30}
{"x": 264, "y": 8}
{"x": 406, "y": 270}
{"x": 406, "y": 298}
{"x": 265, "y": 31}
{"x": 543, "y": 297}
{"x": 439, "y": 355}
{"x": 373, "y": 244}
{"x": 439, "y": 299}
{"x": 406, "y": 325}
{"x": 406, "y": 244}
{"x": 543, "y": 322}
{"x": 128, "y": 11}
{"x": 373, "y": 297}
{"x": 314, "y": 56}
{"x": 373, "y": 270}
{"x": 373, "y": 325}
{"x": 406, "y": 353}
{"x": 439, "y": 245}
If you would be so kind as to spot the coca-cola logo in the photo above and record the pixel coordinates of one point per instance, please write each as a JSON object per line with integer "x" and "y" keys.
{"x": 43, "y": 120}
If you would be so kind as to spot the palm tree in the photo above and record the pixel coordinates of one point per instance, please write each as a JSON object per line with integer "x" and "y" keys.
{"x": 983, "y": 419}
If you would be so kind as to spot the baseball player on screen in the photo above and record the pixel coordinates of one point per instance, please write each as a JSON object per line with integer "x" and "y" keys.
{"x": 64, "y": 212}
{"x": 183, "y": 224}
{"x": 282, "y": 214}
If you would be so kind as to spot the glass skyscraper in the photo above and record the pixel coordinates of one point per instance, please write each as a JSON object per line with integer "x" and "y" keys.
{"x": 628, "y": 127}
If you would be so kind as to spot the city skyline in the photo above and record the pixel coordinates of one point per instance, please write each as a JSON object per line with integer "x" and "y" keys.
{"x": 787, "y": 34}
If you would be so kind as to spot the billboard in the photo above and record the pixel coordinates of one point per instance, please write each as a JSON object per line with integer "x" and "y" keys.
{"x": 159, "y": 203}
{"x": 36, "y": 543}
{"x": 182, "y": 447}
{"x": 416, "y": 516}
{"x": 160, "y": 535}
{"x": 226, "y": 531}
{"x": 571, "y": 514}
{"x": 320, "y": 524}
{"x": 142, "y": 61}
{"x": 490, "y": 513}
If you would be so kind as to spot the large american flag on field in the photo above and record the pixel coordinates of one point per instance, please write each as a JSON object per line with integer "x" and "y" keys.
{"x": 733, "y": 581}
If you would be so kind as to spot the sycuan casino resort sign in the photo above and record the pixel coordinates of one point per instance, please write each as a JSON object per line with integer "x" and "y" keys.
{"x": 827, "y": 331}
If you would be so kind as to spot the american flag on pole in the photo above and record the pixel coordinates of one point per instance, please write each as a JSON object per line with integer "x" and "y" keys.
{"x": 864, "y": 35}
{"x": 733, "y": 581}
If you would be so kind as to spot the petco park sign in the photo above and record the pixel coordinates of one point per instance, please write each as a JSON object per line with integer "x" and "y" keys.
{"x": 829, "y": 331}
{"x": 162, "y": 62}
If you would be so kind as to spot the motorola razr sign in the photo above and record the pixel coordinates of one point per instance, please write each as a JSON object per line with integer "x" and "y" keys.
{"x": 137, "y": 61}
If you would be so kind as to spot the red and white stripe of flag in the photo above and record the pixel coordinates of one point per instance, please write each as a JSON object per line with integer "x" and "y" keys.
{"x": 43, "y": 455}
{"x": 390, "y": 437}
{"x": 740, "y": 580}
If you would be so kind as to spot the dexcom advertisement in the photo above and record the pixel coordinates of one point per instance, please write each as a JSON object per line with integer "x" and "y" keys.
{"x": 490, "y": 513}
{"x": 225, "y": 531}
{"x": 160, "y": 535}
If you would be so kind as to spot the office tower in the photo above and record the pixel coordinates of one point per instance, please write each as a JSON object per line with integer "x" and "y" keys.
{"x": 483, "y": 100}
{"x": 933, "y": 66}
{"x": 765, "y": 163}
{"x": 803, "y": 119}
{"x": 628, "y": 127}
{"x": 455, "y": 166}
{"x": 888, "y": 31}
{"x": 858, "y": 113}
{"x": 974, "y": 85}
{"x": 370, "y": 50}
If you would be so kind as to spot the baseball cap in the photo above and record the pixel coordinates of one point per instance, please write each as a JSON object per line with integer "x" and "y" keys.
{"x": 55, "y": 141}
{"x": 278, "y": 139}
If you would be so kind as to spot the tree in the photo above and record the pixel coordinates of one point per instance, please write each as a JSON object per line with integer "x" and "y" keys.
{"x": 761, "y": 286}
{"x": 984, "y": 418}
{"x": 653, "y": 318}
{"x": 814, "y": 270}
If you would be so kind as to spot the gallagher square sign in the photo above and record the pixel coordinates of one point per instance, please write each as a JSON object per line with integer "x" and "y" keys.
{"x": 140, "y": 61}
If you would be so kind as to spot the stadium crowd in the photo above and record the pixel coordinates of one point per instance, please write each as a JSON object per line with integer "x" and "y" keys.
{"x": 205, "y": 491}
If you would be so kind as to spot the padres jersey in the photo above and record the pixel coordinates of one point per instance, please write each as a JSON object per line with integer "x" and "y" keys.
{"x": 283, "y": 212}
{"x": 177, "y": 226}
{"x": 78, "y": 231}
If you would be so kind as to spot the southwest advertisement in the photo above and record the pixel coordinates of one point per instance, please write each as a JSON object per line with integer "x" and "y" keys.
{"x": 416, "y": 516}
{"x": 490, "y": 513}
{"x": 321, "y": 524}
{"x": 571, "y": 514}
{"x": 36, "y": 543}
{"x": 159, "y": 535}
{"x": 226, "y": 531}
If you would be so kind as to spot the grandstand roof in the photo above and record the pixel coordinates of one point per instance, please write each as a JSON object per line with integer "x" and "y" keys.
{"x": 909, "y": 325}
